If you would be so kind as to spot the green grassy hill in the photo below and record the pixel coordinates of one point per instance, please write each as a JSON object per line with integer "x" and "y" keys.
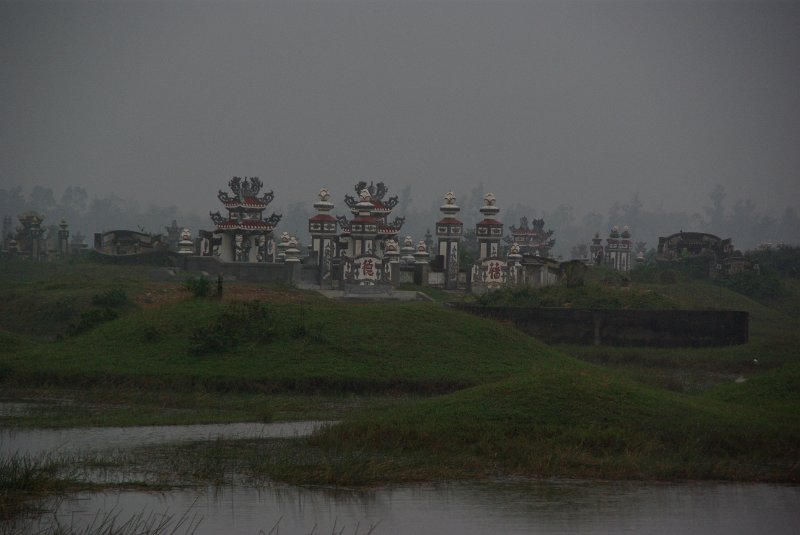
{"x": 565, "y": 418}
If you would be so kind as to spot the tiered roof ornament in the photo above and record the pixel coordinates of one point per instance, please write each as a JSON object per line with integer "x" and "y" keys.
{"x": 371, "y": 218}
{"x": 245, "y": 226}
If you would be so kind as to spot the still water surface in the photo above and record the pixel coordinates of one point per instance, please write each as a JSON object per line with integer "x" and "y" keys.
{"x": 506, "y": 506}
{"x": 502, "y": 506}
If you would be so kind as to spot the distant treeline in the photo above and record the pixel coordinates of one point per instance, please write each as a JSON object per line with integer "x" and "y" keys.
{"x": 741, "y": 221}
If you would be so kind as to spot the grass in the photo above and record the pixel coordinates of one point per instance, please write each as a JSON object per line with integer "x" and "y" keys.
{"x": 576, "y": 420}
{"x": 61, "y": 407}
{"x": 419, "y": 347}
{"x": 425, "y": 392}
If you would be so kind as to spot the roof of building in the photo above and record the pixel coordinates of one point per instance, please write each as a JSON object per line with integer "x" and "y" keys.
{"x": 245, "y": 202}
{"x": 244, "y": 224}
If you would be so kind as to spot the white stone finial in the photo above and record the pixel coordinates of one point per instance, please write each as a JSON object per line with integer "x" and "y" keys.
{"x": 450, "y": 198}
{"x": 390, "y": 245}
{"x": 421, "y": 247}
{"x": 285, "y": 237}
{"x": 324, "y": 196}
{"x": 408, "y": 241}
{"x": 365, "y": 195}
{"x": 489, "y": 199}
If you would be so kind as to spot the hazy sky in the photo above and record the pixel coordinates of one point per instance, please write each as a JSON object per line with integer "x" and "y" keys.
{"x": 547, "y": 103}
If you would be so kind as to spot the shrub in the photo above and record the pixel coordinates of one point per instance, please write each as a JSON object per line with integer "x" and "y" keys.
{"x": 200, "y": 287}
{"x": 239, "y": 322}
{"x": 113, "y": 298}
{"x": 90, "y": 319}
{"x": 764, "y": 285}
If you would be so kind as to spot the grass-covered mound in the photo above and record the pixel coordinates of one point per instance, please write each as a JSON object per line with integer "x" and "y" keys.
{"x": 776, "y": 391}
{"x": 418, "y": 347}
{"x": 562, "y": 418}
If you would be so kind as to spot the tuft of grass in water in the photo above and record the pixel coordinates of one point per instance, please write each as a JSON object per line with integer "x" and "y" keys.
{"x": 23, "y": 479}
{"x": 111, "y": 522}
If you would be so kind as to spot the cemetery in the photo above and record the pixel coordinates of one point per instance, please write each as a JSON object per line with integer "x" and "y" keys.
{"x": 510, "y": 356}
{"x": 364, "y": 255}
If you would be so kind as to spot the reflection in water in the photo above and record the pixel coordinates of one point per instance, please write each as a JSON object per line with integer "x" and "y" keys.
{"x": 87, "y": 439}
{"x": 505, "y": 506}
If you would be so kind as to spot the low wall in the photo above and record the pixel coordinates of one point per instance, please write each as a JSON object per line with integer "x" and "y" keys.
{"x": 288, "y": 273}
{"x": 657, "y": 328}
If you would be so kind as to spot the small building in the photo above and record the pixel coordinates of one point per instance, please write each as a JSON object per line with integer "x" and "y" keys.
{"x": 362, "y": 242}
{"x": 369, "y": 227}
{"x": 128, "y": 242}
{"x": 720, "y": 253}
{"x": 619, "y": 247}
{"x": 532, "y": 238}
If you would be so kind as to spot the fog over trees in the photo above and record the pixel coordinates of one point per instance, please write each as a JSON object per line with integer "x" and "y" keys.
{"x": 739, "y": 219}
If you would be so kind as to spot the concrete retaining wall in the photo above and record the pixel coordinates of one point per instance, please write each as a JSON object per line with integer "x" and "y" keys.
{"x": 657, "y": 328}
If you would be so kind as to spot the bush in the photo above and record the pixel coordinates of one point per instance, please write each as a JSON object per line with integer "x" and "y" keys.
{"x": 90, "y": 319}
{"x": 200, "y": 287}
{"x": 239, "y": 322}
{"x": 764, "y": 285}
{"x": 113, "y": 298}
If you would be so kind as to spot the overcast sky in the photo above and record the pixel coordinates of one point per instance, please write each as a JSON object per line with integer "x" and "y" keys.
{"x": 566, "y": 102}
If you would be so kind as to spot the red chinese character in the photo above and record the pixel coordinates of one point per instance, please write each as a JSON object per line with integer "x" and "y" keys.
{"x": 494, "y": 270}
{"x": 368, "y": 268}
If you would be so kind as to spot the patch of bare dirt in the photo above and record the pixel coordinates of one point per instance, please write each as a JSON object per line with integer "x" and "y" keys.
{"x": 158, "y": 294}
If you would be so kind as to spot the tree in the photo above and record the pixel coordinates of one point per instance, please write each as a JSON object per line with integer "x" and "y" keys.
{"x": 42, "y": 200}
{"x": 12, "y": 203}
{"x": 716, "y": 212}
{"x": 74, "y": 200}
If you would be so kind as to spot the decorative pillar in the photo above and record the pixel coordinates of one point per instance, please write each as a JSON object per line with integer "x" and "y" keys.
{"x": 596, "y": 249}
{"x": 392, "y": 255}
{"x": 63, "y": 239}
{"x": 36, "y": 238}
{"x": 185, "y": 243}
{"x": 515, "y": 263}
{"x": 322, "y": 227}
{"x": 364, "y": 227}
{"x": 282, "y": 246}
{"x": 408, "y": 251}
{"x": 421, "y": 254}
{"x": 292, "y": 251}
{"x": 449, "y": 232}
{"x": 489, "y": 231}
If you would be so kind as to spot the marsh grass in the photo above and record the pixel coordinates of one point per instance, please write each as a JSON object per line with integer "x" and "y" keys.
{"x": 112, "y": 522}
{"x": 24, "y": 479}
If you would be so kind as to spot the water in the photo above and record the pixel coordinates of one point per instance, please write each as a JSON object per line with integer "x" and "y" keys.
{"x": 504, "y": 506}
{"x": 97, "y": 439}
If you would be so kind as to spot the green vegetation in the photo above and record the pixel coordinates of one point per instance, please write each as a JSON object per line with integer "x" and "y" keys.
{"x": 578, "y": 296}
{"x": 199, "y": 287}
{"x": 424, "y": 392}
